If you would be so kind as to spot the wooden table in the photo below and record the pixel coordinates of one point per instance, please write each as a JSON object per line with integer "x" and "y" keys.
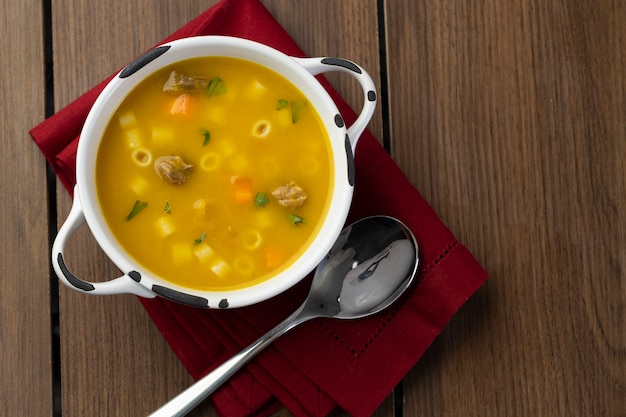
{"x": 509, "y": 117}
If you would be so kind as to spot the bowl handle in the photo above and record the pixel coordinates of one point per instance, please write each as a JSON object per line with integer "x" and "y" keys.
{"x": 320, "y": 65}
{"x": 121, "y": 285}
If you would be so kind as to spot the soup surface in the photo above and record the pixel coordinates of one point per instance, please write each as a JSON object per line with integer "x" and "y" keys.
{"x": 214, "y": 173}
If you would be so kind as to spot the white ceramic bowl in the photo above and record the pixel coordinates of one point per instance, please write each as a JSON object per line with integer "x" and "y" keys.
{"x": 301, "y": 72}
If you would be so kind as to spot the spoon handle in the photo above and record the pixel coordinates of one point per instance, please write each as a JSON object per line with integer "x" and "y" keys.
{"x": 205, "y": 386}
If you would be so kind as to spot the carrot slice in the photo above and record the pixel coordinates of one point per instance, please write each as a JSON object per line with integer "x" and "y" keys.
{"x": 273, "y": 258}
{"x": 243, "y": 190}
{"x": 181, "y": 105}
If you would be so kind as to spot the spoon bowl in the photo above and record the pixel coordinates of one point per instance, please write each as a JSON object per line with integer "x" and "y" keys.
{"x": 371, "y": 264}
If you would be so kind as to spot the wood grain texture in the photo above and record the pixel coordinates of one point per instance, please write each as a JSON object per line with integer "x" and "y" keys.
{"x": 110, "y": 348}
{"x": 340, "y": 28}
{"x": 509, "y": 117}
{"x": 25, "y": 335}
{"x": 114, "y": 360}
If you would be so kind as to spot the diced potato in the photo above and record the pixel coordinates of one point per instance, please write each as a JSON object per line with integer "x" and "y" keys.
{"x": 181, "y": 253}
{"x": 204, "y": 252}
{"x": 162, "y": 135}
{"x": 220, "y": 268}
{"x": 134, "y": 138}
{"x": 239, "y": 163}
{"x": 284, "y": 117}
{"x": 127, "y": 120}
{"x": 226, "y": 147}
{"x": 138, "y": 185}
{"x": 207, "y": 255}
{"x": 263, "y": 219}
{"x": 254, "y": 90}
{"x": 165, "y": 226}
{"x": 199, "y": 206}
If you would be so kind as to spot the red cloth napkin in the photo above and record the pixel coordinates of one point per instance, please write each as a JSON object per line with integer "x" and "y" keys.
{"x": 323, "y": 363}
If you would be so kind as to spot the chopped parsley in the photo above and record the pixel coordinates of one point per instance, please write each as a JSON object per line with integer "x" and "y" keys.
{"x": 207, "y": 136}
{"x": 200, "y": 239}
{"x": 296, "y": 110}
{"x": 216, "y": 87}
{"x": 167, "y": 208}
{"x": 295, "y": 219}
{"x": 282, "y": 103}
{"x": 139, "y": 205}
{"x": 260, "y": 199}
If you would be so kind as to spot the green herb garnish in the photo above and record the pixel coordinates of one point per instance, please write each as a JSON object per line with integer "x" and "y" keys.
{"x": 216, "y": 87}
{"x": 167, "y": 208}
{"x": 282, "y": 103}
{"x": 295, "y": 219}
{"x": 296, "y": 110}
{"x": 207, "y": 136}
{"x": 139, "y": 205}
{"x": 260, "y": 199}
{"x": 200, "y": 239}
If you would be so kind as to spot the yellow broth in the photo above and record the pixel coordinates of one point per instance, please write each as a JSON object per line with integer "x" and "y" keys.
{"x": 246, "y": 133}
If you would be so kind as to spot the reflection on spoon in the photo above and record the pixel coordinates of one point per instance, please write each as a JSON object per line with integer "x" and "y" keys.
{"x": 372, "y": 263}
{"x": 363, "y": 289}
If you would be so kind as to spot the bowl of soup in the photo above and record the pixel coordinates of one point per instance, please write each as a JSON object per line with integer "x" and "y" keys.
{"x": 215, "y": 172}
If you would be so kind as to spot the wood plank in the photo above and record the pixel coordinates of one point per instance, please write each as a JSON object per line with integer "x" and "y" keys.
{"x": 114, "y": 360}
{"x": 509, "y": 117}
{"x": 25, "y": 334}
{"x": 340, "y": 28}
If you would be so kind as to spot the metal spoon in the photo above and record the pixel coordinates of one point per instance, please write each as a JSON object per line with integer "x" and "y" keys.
{"x": 373, "y": 261}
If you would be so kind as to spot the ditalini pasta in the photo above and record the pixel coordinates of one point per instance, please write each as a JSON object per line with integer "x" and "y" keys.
{"x": 251, "y": 239}
{"x": 210, "y": 161}
{"x": 244, "y": 265}
{"x": 261, "y": 129}
{"x": 214, "y": 173}
{"x": 142, "y": 156}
